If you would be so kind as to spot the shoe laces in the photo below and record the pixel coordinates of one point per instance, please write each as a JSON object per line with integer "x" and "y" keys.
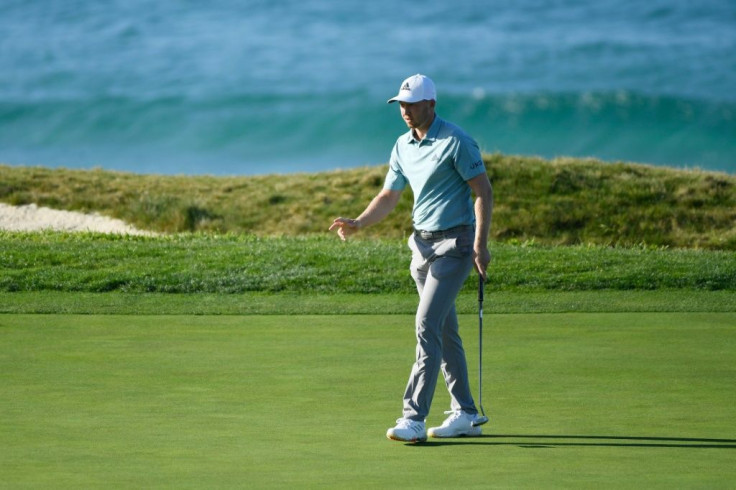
{"x": 453, "y": 416}
{"x": 403, "y": 423}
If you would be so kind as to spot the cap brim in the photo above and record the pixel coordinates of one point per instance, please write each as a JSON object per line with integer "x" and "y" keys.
{"x": 403, "y": 98}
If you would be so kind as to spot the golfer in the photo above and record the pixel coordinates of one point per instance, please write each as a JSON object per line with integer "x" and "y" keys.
{"x": 442, "y": 164}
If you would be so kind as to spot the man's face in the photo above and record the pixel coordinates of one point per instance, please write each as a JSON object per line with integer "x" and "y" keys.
{"x": 419, "y": 114}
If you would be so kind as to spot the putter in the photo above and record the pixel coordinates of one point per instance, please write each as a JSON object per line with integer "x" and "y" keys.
{"x": 480, "y": 420}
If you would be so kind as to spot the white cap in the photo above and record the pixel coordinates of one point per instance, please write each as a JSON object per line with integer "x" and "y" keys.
{"x": 415, "y": 89}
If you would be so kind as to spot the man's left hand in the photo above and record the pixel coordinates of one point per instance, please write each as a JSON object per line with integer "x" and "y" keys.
{"x": 481, "y": 259}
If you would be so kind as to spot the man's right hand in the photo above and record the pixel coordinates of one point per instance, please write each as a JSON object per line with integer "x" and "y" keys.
{"x": 345, "y": 227}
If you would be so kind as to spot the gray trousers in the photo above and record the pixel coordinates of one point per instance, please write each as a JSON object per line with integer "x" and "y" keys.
{"x": 439, "y": 268}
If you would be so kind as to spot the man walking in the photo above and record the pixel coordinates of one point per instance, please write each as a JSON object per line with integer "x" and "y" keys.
{"x": 442, "y": 164}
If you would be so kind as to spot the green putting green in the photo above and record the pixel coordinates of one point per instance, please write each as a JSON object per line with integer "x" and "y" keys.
{"x": 578, "y": 400}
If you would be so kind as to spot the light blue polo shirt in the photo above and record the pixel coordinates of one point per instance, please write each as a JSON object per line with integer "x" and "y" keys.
{"x": 437, "y": 169}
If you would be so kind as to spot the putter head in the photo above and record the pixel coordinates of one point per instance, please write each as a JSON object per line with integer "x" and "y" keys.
{"x": 479, "y": 421}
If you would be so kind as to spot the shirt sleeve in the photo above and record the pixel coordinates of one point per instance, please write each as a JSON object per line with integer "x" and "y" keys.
{"x": 395, "y": 179}
{"x": 468, "y": 160}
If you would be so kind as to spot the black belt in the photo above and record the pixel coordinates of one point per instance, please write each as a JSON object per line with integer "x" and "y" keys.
{"x": 436, "y": 235}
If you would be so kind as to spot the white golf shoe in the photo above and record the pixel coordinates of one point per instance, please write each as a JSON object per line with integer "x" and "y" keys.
{"x": 407, "y": 430}
{"x": 458, "y": 424}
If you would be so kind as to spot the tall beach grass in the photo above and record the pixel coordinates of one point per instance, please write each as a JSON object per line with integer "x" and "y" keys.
{"x": 552, "y": 202}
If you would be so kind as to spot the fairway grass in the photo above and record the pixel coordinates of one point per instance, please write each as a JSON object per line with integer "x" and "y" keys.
{"x": 598, "y": 301}
{"x": 576, "y": 400}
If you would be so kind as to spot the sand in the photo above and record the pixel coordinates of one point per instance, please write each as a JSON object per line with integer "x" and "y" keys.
{"x": 33, "y": 218}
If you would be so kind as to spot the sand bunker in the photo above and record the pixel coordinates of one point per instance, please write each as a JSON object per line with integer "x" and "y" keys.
{"x": 33, "y": 218}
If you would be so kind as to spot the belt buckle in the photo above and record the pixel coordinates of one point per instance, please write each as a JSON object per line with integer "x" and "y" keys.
{"x": 430, "y": 235}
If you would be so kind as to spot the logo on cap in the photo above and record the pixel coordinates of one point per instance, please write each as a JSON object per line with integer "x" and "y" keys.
{"x": 406, "y": 86}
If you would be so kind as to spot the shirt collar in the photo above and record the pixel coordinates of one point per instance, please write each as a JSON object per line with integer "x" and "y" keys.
{"x": 431, "y": 134}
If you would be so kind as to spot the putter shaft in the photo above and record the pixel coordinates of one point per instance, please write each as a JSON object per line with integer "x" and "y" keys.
{"x": 480, "y": 420}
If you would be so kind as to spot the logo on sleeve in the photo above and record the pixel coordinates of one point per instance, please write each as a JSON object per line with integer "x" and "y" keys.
{"x": 477, "y": 164}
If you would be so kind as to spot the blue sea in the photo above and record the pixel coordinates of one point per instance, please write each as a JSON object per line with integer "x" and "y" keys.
{"x": 228, "y": 87}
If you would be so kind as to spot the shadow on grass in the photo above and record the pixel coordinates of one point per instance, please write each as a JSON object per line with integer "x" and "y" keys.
{"x": 549, "y": 441}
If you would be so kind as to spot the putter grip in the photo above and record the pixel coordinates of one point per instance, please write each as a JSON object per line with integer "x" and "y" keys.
{"x": 481, "y": 285}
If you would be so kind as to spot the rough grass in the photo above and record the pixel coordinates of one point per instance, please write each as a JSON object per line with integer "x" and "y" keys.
{"x": 559, "y": 202}
{"x": 233, "y": 264}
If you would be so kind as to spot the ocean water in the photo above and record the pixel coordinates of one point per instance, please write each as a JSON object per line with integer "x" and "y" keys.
{"x": 246, "y": 87}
